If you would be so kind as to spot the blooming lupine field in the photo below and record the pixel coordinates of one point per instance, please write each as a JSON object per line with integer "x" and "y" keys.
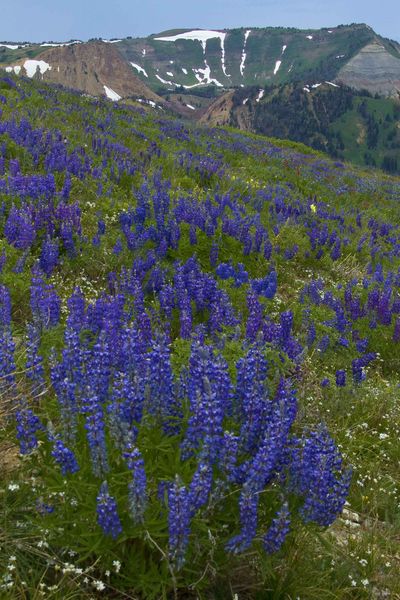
{"x": 199, "y": 360}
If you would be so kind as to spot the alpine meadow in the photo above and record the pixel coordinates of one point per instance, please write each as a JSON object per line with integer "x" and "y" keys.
{"x": 199, "y": 328}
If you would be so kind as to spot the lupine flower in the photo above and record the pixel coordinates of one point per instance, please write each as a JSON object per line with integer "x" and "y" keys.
{"x": 28, "y": 424}
{"x": 137, "y": 493}
{"x": 107, "y": 515}
{"x": 200, "y": 486}
{"x": 278, "y": 531}
{"x": 248, "y": 507}
{"x": 340, "y": 378}
{"x": 64, "y": 457}
{"x": 95, "y": 428}
{"x": 317, "y": 475}
{"x": 178, "y": 522}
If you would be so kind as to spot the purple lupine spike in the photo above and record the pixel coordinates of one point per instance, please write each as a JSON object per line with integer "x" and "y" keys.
{"x": 248, "y": 508}
{"x": 178, "y": 522}
{"x": 95, "y": 432}
{"x": 317, "y": 474}
{"x": 278, "y": 530}
{"x": 340, "y": 378}
{"x": 163, "y": 402}
{"x": 252, "y": 403}
{"x": 7, "y": 346}
{"x": 209, "y": 397}
{"x": 76, "y": 308}
{"x": 200, "y": 486}
{"x": 64, "y": 457}
{"x": 286, "y": 321}
{"x": 137, "y": 488}
{"x": 107, "y": 515}
{"x": 214, "y": 254}
{"x": 34, "y": 362}
{"x": 229, "y": 455}
{"x": 254, "y": 320}
{"x": 28, "y": 424}
{"x": 45, "y": 302}
{"x": 49, "y": 256}
{"x": 396, "y": 332}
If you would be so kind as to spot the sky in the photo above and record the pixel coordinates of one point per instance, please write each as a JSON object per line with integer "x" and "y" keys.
{"x": 62, "y": 20}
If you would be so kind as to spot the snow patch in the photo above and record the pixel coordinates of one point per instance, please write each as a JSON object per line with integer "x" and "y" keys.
{"x": 203, "y": 76}
{"x": 184, "y": 70}
{"x": 243, "y": 59}
{"x": 111, "y": 94}
{"x": 316, "y": 85}
{"x": 10, "y": 46}
{"x": 309, "y": 37}
{"x": 144, "y": 52}
{"x": 170, "y": 74}
{"x": 283, "y": 49}
{"x": 190, "y": 106}
{"x": 290, "y": 68}
{"x": 111, "y": 42}
{"x": 171, "y": 62}
{"x": 202, "y": 36}
{"x": 340, "y": 56}
{"x": 306, "y": 89}
{"x": 245, "y": 101}
{"x": 164, "y": 81}
{"x": 260, "y": 95}
{"x": 139, "y": 69}
{"x": 333, "y": 84}
{"x": 31, "y": 67}
{"x": 51, "y": 45}
{"x": 277, "y": 65}
{"x": 15, "y": 70}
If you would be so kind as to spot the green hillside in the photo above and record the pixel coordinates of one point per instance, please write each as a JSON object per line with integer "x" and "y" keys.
{"x": 304, "y": 54}
{"x": 199, "y": 359}
{"x": 348, "y": 125}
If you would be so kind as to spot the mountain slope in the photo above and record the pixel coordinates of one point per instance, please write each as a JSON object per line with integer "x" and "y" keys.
{"x": 199, "y": 335}
{"x": 95, "y": 68}
{"x": 260, "y": 56}
{"x": 336, "y": 119}
{"x": 373, "y": 68}
{"x": 193, "y": 59}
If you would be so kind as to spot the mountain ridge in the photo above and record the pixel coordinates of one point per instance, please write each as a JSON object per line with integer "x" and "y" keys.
{"x": 190, "y": 59}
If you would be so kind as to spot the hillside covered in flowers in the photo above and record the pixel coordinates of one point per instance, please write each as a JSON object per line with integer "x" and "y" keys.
{"x": 199, "y": 359}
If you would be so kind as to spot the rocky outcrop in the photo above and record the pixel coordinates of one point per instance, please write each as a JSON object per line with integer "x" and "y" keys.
{"x": 96, "y": 68}
{"x": 219, "y": 112}
{"x": 374, "y": 69}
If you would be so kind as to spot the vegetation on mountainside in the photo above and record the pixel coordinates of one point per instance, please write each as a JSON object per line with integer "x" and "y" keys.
{"x": 199, "y": 359}
{"x": 347, "y": 124}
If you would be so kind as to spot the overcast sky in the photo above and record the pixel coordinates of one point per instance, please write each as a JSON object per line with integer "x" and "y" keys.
{"x": 61, "y": 20}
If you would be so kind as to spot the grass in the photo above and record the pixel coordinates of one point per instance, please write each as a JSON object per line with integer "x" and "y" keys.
{"x": 358, "y": 558}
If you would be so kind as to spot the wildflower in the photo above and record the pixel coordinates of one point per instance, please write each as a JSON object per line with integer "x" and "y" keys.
{"x": 178, "y": 522}
{"x": 276, "y": 534}
{"x": 107, "y": 515}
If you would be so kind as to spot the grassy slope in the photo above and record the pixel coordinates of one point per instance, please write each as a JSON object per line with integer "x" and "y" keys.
{"x": 308, "y": 58}
{"x": 290, "y": 112}
{"x": 360, "y": 554}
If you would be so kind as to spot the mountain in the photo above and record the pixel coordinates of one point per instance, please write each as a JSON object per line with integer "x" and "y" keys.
{"x": 345, "y": 123}
{"x": 95, "y": 68}
{"x": 260, "y": 56}
{"x": 312, "y": 86}
{"x": 189, "y": 60}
